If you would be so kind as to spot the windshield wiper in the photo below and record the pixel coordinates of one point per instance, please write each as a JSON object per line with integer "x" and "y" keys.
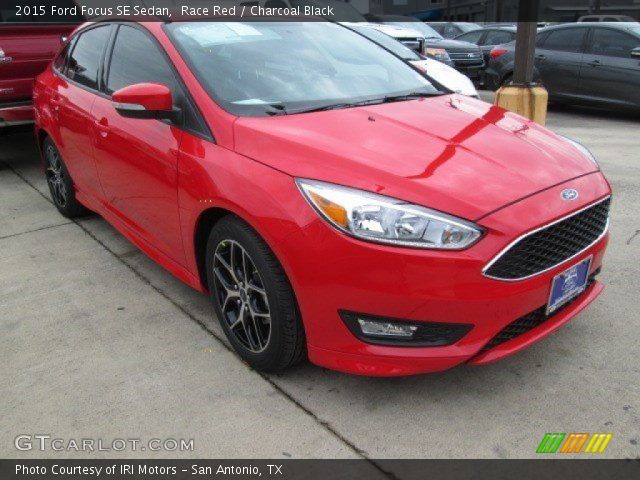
{"x": 279, "y": 109}
{"x": 276, "y": 109}
{"x": 336, "y": 106}
{"x": 409, "y": 96}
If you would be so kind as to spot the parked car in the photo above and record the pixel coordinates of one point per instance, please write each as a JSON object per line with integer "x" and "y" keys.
{"x": 411, "y": 39}
{"x": 432, "y": 69}
{"x": 332, "y": 202}
{"x": 453, "y": 29}
{"x": 487, "y": 38}
{"x": 466, "y": 57}
{"x": 606, "y": 18}
{"x": 25, "y": 51}
{"x": 581, "y": 63}
{"x": 347, "y": 14}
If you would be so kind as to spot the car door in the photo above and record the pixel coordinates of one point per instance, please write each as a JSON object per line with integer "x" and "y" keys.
{"x": 137, "y": 158}
{"x": 609, "y": 72}
{"x": 559, "y": 59}
{"x": 71, "y": 97}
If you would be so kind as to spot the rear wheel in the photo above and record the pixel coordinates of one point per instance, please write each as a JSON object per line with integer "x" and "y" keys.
{"x": 253, "y": 298}
{"x": 60, "y": 183}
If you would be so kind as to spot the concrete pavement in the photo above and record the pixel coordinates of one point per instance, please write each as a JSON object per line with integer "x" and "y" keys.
{"x": 98, "y": 341}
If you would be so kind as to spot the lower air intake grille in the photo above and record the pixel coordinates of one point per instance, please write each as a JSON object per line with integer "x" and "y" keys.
{"x": 551, "y": 245}
{"x": 529, "y": 321}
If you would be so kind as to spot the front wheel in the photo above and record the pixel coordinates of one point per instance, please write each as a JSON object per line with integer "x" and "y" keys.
{"x": 252, "y": 297}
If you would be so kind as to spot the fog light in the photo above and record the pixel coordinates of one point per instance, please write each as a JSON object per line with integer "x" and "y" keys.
{"x": 403, "y": 333}
{"x": 386, "y": 329}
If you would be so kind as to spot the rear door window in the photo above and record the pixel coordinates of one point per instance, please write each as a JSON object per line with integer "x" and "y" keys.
{"x": 86, "y": 57}
{"x": 565, "y": 40}
{"x": 611, "y": 43}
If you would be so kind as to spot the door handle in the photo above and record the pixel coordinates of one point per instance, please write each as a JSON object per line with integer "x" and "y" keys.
{"x": 56, "y": 102}
{"x": 103, "y": 127}
{"x": 595, "y": 63}
{"x": 4, "y": 58}
{"x": 541, "y": 57}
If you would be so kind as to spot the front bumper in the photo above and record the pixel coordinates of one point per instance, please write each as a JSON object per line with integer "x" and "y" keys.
{"x": 342, "y": 273}
{"x": 471, "y": 70}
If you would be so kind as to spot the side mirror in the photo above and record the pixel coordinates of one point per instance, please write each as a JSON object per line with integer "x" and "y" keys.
{"x": 146, "y": 100}
{"x": 635, "y": 52}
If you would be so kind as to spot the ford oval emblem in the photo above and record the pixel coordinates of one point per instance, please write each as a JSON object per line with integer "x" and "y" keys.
{"x": 569, "y": 194}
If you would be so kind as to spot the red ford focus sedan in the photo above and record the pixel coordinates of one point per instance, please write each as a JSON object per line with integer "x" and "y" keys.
{"x": 334, "y": 203}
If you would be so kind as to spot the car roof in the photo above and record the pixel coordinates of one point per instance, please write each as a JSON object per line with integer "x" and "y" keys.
{"x": 393, "y": 18}
{"x": 508, "y": 28}
{"x": 617, "y": 25}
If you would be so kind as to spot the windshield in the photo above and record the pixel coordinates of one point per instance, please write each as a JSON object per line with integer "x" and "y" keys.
{"x": 268, "y": 68}
{"x": 387, "y": 42}
{"x": 420, "y": 27}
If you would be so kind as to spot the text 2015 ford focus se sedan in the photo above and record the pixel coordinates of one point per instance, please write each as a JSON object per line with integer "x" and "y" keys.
{"x": 332, "y": 201}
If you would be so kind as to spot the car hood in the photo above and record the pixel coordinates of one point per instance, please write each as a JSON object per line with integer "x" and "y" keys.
{"x": 451, "y": 153}
{"x": 457, "y": 45}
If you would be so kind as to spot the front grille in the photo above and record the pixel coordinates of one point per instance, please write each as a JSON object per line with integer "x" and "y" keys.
{"x": 529, "y": 321}
{"x": 465, "y": 56}
{"x": 545, "y": 248}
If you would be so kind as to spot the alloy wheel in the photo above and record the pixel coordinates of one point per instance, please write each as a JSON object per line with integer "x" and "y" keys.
{"x": 56, "y": 177}
{"x": 242, "y": 296}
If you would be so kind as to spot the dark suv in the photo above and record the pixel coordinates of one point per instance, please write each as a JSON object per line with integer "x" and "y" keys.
{"x": 597, "y": 63}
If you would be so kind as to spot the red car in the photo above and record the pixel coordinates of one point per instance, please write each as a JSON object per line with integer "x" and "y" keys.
{"x": 25, "y": 51}
{"x": 331, "y": 200}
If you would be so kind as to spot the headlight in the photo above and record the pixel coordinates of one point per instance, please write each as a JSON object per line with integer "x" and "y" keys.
{"x": 381, "y": 219}
{"x": 583, "y": 149}
{"x": 437, "y": 53}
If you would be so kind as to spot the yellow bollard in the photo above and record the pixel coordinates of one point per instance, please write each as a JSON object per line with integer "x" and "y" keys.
{"x": 530, "y": 102}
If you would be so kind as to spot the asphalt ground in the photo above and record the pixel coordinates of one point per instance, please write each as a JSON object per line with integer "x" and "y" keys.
{"x": 100, "y": 342}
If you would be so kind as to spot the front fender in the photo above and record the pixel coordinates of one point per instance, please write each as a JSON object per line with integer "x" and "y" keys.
{"x": 213, "y": 177}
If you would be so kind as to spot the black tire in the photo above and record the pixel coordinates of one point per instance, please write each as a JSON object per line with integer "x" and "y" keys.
{"x": 61, "y": 185}
{"x": 507, "y": 80}
{"x": 285, "y": 344}
{"x": 490, "y": 82}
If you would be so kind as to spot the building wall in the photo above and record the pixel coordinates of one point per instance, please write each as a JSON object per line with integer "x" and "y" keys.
{"x": 507, "y": 10}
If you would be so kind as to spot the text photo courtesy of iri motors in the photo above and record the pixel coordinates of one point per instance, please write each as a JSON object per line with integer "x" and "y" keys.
{"x": 346, "y": 237}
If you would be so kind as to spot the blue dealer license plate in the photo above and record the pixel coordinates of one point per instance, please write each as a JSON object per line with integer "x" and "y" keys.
{"x": 568, "y": 285}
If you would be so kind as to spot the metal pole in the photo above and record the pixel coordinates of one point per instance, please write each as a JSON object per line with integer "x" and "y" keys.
{"x": 525, "y": 42}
